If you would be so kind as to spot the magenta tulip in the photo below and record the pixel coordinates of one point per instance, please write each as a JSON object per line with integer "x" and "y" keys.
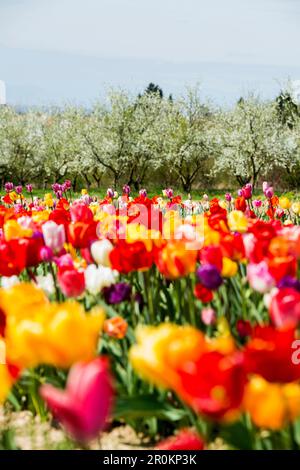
{"x": 84, "y": 406}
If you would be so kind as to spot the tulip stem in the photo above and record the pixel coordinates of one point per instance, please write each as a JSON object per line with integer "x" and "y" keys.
{"x": 191, "y": 303}
{"x": 146, "y": 277}
{"x": 54, "y": 281}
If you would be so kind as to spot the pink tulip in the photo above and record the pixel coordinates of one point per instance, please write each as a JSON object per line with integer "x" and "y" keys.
{"x": 84, "y": 406}
{"x": 208, "y": 316}
{"x": 257, "y": 203}
{"x": 54, "y": 235}
{"x": 247, "y": 191}
{"x": 259, "y": 277}
{"x": 81, "y": 213}
{"x": 64, "y": 261}
{"x": 265, "y": 186}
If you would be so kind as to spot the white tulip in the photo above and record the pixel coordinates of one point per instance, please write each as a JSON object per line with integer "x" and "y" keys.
{"x": 46, "y": 283}
{"x": 100, "y": 251}
{"x": 9, "y": 281}
{"x": 98, "y": 277}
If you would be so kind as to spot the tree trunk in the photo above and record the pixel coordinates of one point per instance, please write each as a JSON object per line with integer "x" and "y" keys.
{"x": 88, "y": 183}
{"x": 74, "y": 183}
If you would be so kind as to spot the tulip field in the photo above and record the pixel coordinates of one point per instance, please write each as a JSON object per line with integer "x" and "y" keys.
{"x": 173, "y": 319}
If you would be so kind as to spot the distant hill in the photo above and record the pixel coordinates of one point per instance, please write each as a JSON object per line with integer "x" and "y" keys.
{"x": 41, "y": 78}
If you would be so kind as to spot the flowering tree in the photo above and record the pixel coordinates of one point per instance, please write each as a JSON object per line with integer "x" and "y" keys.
{"x": 105, "y": 133}
{"x": 137, "y": 139}
{"x": 62, "y": 146}
{"x": 252, "y": 141}
{"x": 20, "y": 138}
{"x": 190, "y": 141}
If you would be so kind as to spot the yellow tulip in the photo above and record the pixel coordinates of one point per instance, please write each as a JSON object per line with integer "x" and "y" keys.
{"x": 237, "y": 221}
{"x": 12, "y": 229}
{"x": 40, "y": 216}
{"x": 6, "y": 382}
{"x": 57, "y": 334}
{"x": 229, "y": 268}
{"x": 14, "y": 196}
{"x": 21, "y": 300}
{"x": 284, "y": 202}
{"x": 296, "y": 208}
{"x": 223, "y": 204}
{"x": 272, "y": 405}
{"x": 49, "y": 202}
{"x": 160, "y": 350}
{"x": 40, "y": 332}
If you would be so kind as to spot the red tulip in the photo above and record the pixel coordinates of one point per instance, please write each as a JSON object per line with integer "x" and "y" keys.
{"x": 186, "y": 439}
{"x": 84, "y": 406}
{"x": 212, "y": 254}
{"x": 127, "y": 257}
{"x": 71, "y": 282}
{"x": 13, "y": 256}
{"x": 214, "y": 384}
{"x": 202, "y": 293}
{"x": 240, "y": 204}
{"x": 82, "y": 234}
{"x": 285, "y": 307}
{"x": 61, "y": 217}
{"x": 269, "y": 354}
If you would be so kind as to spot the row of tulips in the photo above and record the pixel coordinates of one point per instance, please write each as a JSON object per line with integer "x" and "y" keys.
{"x": 177, "y": 316}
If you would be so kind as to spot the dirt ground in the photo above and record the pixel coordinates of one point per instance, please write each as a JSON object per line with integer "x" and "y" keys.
{"x": 30, "y": 433}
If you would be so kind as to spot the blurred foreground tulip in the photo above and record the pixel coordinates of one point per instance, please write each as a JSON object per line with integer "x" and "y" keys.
{"x": 285, "y": 307}
{"x": 186, "y": 439}
{"x": 84, "y": 406}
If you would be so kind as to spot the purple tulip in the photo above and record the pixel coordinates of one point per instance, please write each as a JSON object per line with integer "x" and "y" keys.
{"x": 209, "y": 276}
{"x": 140, "y": 300}
{"x": 19, "y": 189}
{"x": 29, "y": 188}
{"x": 143, "y": 192}
{"x": 228, "y": 197}
{"x": 110, "y": 193}
{"x": 46, "y": 254}
{"x": 289, "y": 281}
{"x": 87, "y": 199}
{"x": 269, "y": 192}
{"x": 56, "y": 187}
{"x": 126, "y": 189}
{"x": 117, "y": 293}
{"x": 240, "y": 192}
{"x": 8, "y": 187}
{"x": 169, "y": 193}
{"x": 59, "y": 194}
{"x": 68, "y": 184}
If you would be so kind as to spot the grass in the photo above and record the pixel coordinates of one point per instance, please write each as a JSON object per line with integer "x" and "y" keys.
{"x": 196, "y": 194}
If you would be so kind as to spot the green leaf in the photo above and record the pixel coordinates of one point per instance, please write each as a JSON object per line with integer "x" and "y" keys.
{"x": 7, "y": 440}
{"x": 296, "y": 426}
{"x": 145, "y": 407}
{"x": 238, "y": 436}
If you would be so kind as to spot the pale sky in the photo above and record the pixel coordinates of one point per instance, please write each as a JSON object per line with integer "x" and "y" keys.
{"x": 239, "y": 33}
